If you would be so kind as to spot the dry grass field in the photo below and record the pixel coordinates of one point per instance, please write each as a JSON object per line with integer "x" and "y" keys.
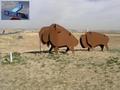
{"x": 31, "y": 70}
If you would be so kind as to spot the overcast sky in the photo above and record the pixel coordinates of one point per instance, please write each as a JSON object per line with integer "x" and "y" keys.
{"x": 74, "y": 14}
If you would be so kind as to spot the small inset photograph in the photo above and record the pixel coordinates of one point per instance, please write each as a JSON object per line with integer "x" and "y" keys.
{"x": 15, "y": 10}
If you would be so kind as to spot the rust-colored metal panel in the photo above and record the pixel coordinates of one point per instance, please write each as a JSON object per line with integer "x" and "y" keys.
{"x": 94, "y": 39}
{"x": 57, "y": 36}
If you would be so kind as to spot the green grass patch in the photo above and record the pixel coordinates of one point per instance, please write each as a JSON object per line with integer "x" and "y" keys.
{"x": 17, "y": 59}
{"x": 113, "y": 60}
{"x": 115, "y": 50}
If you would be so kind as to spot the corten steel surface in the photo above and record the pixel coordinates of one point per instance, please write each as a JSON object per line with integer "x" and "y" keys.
{"x": 57, "y": 37}
{"x": 83, "y": 41}
{"x": 94, "y": 39}
{"x": 43, "y": 35}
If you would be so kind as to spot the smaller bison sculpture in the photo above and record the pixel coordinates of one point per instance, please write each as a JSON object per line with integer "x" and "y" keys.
{"x": 93, "y": 39}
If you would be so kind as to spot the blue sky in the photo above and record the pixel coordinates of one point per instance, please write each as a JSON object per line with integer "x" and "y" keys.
{"x": 74, "y": 14}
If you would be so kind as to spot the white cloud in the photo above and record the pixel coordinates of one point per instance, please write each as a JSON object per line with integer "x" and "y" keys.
{"x": 96, "y": 14}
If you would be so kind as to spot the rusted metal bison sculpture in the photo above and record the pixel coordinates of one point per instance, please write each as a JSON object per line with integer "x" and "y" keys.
{"x": 57, "y": 36}
{"x": 93, "y": 39}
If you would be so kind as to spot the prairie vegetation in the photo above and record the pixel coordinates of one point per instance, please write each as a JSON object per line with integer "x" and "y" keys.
{"x": 32, "y": 70}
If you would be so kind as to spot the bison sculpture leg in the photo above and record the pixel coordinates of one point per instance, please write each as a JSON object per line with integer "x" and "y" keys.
{"x": 106, "y": 46}
{"x": 50, "y": 50}
{"x": 102, "y": 47}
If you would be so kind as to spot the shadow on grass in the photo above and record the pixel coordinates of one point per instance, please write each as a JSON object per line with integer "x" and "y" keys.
{"x": 63, "y": 51}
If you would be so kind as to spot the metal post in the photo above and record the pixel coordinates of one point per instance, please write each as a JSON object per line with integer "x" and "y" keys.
{"x": 11, "y": 57}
